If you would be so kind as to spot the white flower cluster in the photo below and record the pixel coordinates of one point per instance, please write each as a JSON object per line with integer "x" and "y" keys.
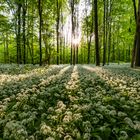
{"x": 14, "y": 130}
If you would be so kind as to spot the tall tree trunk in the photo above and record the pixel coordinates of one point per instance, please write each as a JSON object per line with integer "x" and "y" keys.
{"x": 87, "y": 33}
{"x": 32, "y": 34}
{"x": 30, "y": 51}
{"x": 104, "y": 36}
{"x": 109, "y": 44}
{"x": 135, "y": 10}
{"x": 4, "y": 49}
{"x": 129, "y": 54}
{"x": 118, "y": 56}
{"x": 64, "y": 51}
{"x": 61, "y": 51}
{"x": 137, "y": 57}
{"x": 24, "y": 38}
{"x": 57, "y": 30}
{"x": 61, "y": 39}
{"x": 123, "y": 54}
{"x": 19, "y": 33}
{"x": 74, "y": 54}
{"x": 118, "y": 49}
{"x": 7, "y": 48}
{"x": 113, "y": 45}
{"x": 91, "y": 30}
{"x": 135, "y": 38}
{"x": 110, "y": 29}
{"x": 77, "y": 54}
{"x": 40, "y": 29}
{"x": 96, "y": 34}
{"x": 73, "y": 28}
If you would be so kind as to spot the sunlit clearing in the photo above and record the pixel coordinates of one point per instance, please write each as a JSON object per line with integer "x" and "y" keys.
{"x": 5, "y": 78}
{"x": 73, "y": 83}
{"x": 91, "y": 68}
{"x": 60, "y": 74}
{"x": 64, "y": 70}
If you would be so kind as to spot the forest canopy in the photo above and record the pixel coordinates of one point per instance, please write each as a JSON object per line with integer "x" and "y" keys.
{"x": 69, "y": 31}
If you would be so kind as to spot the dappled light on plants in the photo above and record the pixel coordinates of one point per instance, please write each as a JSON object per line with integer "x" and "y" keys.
{"x": 23, "y": 73}
{"x": 73, "y": 83}
{"x": 72, "y": 102}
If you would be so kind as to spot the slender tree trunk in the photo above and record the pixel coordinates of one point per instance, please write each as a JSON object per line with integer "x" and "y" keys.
{"x": 4, "y": 49}
{"x": 113, "y": 45}
{"x": 96, "y": 34}
{"x": 62, "y": 40}
{"x": 19, "y": 33}
{"x": 71, "y": 49}
{"x": 118, "y": 49}
{"x": 91, "y": 30}
{"x": 77, "y": 54}
{"x": 73, "y": 28}
{"x": 109, "y": 45}
{"x": 74, "y": 55}
{"x": 137, "y": 57}
{"x": 107, "y": 27}
{"x": 61, "y": 51}
{"x": 129, "y": 54}
{"x": 64, "y": 51}
{"x": 110, "y": 29}
{"x": 104, "y": 36}
{"x": 87, "y": 34}
{"x": 30, "y": 51}
{"x": 135, "y": 38}
{"x": 135, "y": 10}
{"x": 27, "y": 52}
{"x": 40, "y": 29}
{"x": 32, "y": 34}
{"x": 7, "y": 48}
{"x": 24, "y": 31}
{"x": 27, "y": 45}
{"x": 57, "y": 30}
{"x": 118, "y": 56}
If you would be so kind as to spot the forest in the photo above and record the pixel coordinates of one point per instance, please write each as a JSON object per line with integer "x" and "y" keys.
{"x": 69, "y": 69}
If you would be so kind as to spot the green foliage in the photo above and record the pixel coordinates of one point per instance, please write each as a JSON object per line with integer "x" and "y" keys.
{"x": 75, "y": 102}
{"x": 121, "y": 20}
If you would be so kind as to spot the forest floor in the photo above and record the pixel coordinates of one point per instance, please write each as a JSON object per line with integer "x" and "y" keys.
{"x": 79, "y": 102}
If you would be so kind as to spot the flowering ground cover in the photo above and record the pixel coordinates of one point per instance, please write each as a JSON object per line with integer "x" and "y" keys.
{"x": 80, "y": 102}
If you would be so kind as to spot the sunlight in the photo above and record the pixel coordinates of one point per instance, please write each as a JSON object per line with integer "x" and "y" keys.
{"x": 54, "y": 77}
{"x": 5, "y": 78}
{"x": 82, "y": 8}
{"x": 73, "y": 83}
{"x": 75, "y": 41}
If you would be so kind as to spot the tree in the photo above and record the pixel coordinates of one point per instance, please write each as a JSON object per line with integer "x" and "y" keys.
{"x": 104, "y": 35}
{"x": 137, "y": 59}
{"x": 96, "y": 33}
{"x": 37, "y": 29}
{"x": 24, "y": 30}
{"x": 135, "y": 38}
{"x": 110, "y": 29}
{"x": 19, "y": 32}
{"x": 89, "y": 38}
{"x": 57, "y": 28}
{"x": 73, "y": 27}
{"x": 40, "y": 29}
